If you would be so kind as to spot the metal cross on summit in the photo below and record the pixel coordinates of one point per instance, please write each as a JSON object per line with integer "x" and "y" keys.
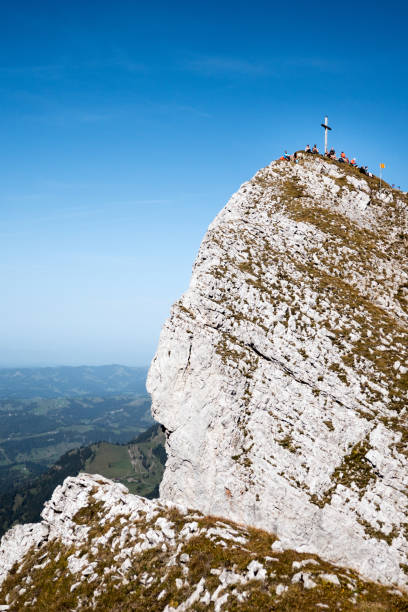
{"x": 326, "y": 127}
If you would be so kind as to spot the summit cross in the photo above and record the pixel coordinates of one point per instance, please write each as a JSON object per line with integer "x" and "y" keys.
{"x": 326, "y": 127}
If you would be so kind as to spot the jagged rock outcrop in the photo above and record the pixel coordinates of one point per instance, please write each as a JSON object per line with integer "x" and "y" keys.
{"x": 281, "y": 374}
{"x": 101, "y": 548}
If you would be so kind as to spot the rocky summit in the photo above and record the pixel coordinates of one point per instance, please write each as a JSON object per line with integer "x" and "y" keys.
{"x": 281, "y": 374}
{"x": 281, "y": 382}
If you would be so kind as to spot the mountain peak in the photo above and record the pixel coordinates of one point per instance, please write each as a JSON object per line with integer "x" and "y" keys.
{"x": 281, "y": 374}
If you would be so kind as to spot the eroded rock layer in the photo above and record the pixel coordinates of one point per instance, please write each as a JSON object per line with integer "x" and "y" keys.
{"x": 100, "y": 548}
{"x": 281, "y": 374}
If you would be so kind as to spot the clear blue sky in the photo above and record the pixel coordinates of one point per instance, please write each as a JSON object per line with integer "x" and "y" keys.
{"x": 125, "y": 127}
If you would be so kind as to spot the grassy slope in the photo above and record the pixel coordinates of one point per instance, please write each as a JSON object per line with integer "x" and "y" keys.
{"x": 111, "y": 460}
{"x": 161, "y": 577}
{"x": 137, "y": 465}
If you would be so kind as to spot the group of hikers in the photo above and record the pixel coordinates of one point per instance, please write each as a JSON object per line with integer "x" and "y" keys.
{"x": 331, "y": 155}
{"x": 342, "y": 158}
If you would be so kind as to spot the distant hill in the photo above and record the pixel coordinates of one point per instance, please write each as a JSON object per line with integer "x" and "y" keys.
{"x": 138, "y": 465}
{"x": 67, "y": 381}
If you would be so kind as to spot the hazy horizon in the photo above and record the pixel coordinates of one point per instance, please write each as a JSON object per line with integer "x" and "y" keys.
{"x": 70, "y": 365}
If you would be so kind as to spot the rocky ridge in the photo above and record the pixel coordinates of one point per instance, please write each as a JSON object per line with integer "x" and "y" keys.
{"x": 101, "y": 548}
{"x": 281, "y": 374}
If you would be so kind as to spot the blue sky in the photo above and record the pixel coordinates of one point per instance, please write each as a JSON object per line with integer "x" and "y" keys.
{"x": 125, "y": 127}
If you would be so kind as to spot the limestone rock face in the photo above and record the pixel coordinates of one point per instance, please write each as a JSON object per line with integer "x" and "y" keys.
{"x": 281, "y": 374}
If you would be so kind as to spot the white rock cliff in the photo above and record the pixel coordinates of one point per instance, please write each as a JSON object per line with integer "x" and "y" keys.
{"x": 281, "y": 374}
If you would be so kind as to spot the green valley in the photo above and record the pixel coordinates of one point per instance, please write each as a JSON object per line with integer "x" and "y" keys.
{"x": 57, "y": 422}
{"x": 34, "y": 433}
{"x": 138, "y": 465}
